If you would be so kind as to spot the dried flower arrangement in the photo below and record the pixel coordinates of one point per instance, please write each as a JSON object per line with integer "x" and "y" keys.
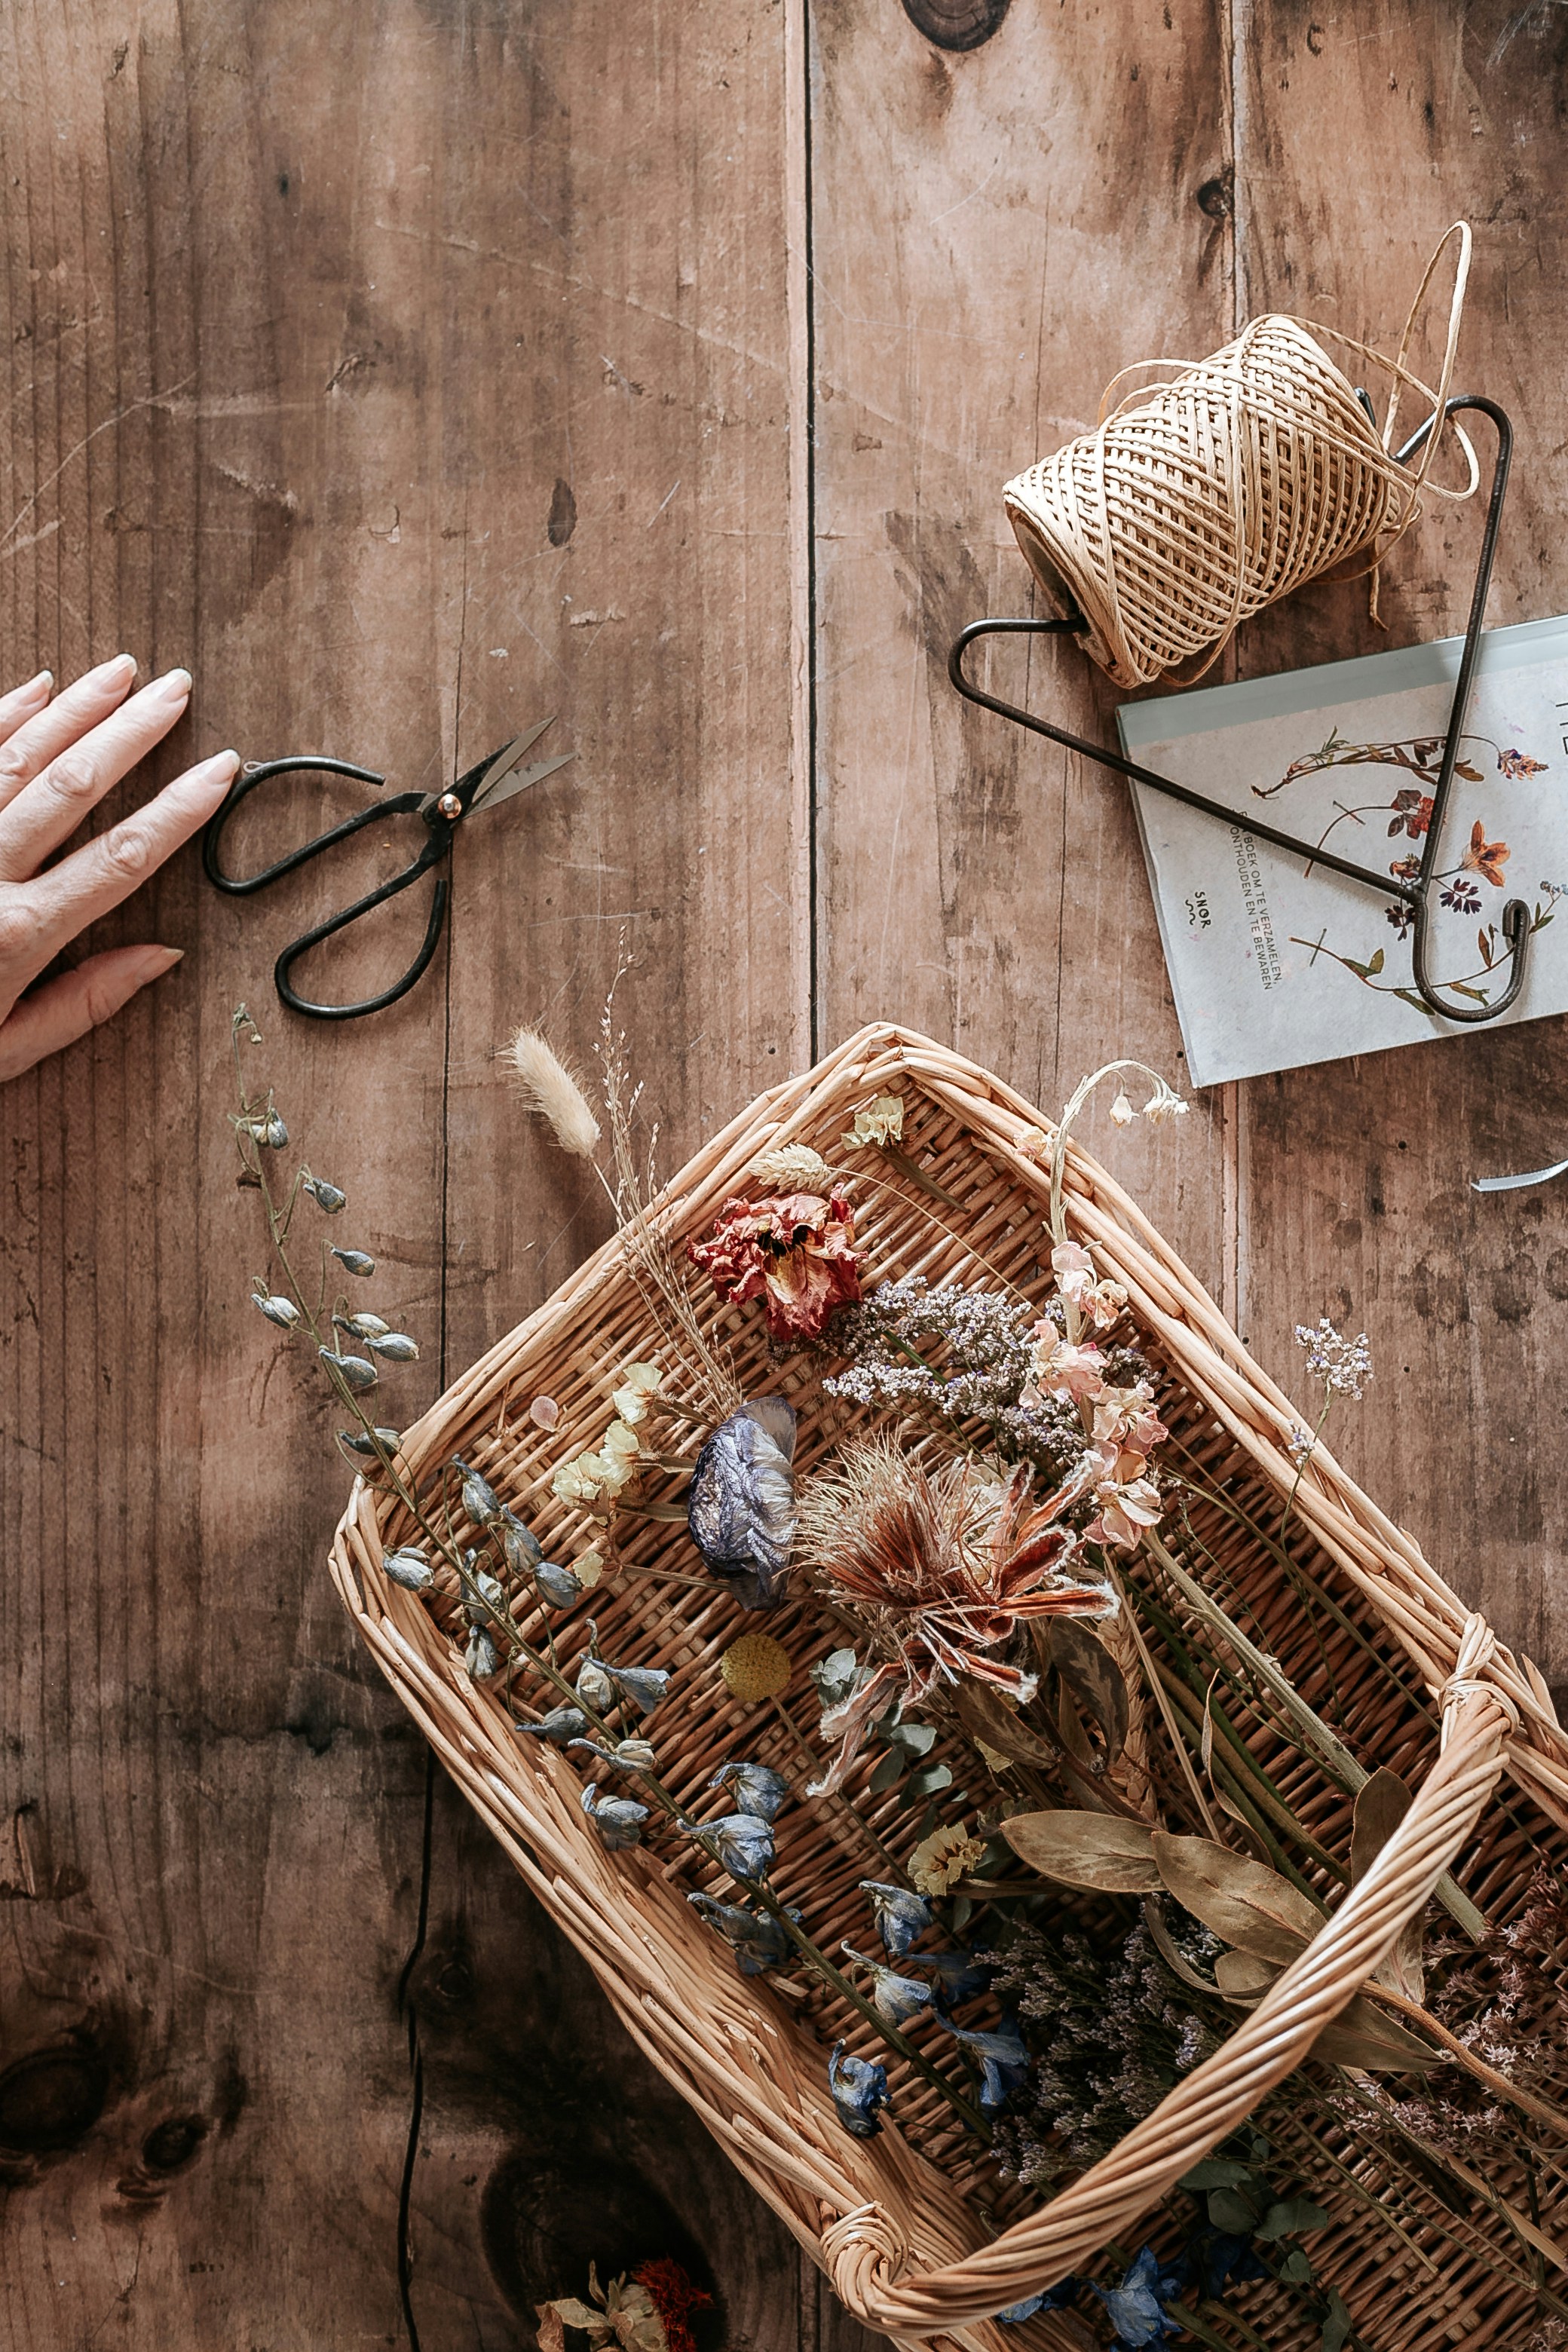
{"x": 1082, "y": 1780}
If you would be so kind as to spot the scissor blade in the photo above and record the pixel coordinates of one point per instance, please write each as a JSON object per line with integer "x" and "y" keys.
{"x": 491, "y": 795}
{"x": 509, "y": 757}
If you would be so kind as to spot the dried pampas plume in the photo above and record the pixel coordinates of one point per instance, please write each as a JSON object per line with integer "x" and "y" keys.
{"x": 548, "y": 1088}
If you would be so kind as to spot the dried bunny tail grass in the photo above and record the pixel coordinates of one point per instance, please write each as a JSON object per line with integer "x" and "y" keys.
{"x": 548, "y": 1086}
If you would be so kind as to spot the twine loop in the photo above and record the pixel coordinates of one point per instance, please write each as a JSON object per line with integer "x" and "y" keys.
{"x": 1193, "y": 506}
{"x": 1471, "y": 1679}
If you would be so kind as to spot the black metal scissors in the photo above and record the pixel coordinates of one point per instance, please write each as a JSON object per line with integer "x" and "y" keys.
{"x": 484, "y": 787}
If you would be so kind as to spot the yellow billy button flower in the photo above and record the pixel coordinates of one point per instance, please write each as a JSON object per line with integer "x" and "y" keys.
{"x": 756, "y": 1666}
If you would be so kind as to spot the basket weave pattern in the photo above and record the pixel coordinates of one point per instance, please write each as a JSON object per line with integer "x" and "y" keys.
{"x": 917, "y": 2237}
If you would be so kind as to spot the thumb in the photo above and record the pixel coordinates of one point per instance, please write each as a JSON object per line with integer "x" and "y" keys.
{"x": 67, "y": 1007}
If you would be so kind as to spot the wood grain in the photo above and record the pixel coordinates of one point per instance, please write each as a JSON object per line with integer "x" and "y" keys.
{"x": 409, "y": 385}
{"x": 1356, "y": 1176}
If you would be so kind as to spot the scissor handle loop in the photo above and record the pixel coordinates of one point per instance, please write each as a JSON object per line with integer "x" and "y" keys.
{"x": 259, "y": 771}
{"x": 434, "y": 849}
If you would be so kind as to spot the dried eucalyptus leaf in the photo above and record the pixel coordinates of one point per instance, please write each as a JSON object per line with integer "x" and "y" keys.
{"x": 1241, "y": 1975}
{"x": 1379, "y": 1810}
{"x": 986, "y": 1715}
{"x": 1363, "y": 2036}
{"x": 1248, "y": 1904}
{"x": 1094, "y": 1678}
{"x": 1095, "y": 1850}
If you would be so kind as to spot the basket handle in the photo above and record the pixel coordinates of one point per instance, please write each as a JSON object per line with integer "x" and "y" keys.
{"x": 865, "y": 2252}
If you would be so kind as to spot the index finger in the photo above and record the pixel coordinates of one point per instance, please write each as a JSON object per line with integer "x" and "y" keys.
{"x": 96, "y": 877}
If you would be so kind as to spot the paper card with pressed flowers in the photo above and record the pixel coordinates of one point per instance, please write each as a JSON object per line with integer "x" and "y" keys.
{"x": 1275, "y": 962}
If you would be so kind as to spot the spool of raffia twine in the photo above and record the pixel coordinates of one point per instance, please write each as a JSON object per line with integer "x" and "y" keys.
{"x": 1193, "y": 506}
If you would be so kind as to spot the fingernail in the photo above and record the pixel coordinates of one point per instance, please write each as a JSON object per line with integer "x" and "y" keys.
{"x": 118, "y": 672}
{"x": 40, "y": 684}
{"x": 222, "y": 764}
{"x": 173, "y": 686}
{"x": 159, "y": 961}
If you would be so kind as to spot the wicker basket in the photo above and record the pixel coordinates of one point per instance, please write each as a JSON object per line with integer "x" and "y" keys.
{"x": 915, "y": 2233}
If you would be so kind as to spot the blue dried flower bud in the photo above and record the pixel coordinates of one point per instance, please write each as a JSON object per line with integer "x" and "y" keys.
{"x": 353, "y": 1370}
{"x": 618, "y": 1820}
{"x": 361, "y": 1327}
{"x": 354, "y": 1261}
{"x": 559, "y": 1586}
{"x": 359, "y": 1442}
{"x": 595, "y": 1688}
{"x": 480, "y": 1500}
{"x": 489, "y": 1590}
{"x": 901, "y": 1916}
{"x": 408, "y": 1566}
{"x": 521, "y": 1547}
{"x": 960, "y": 1974}
{"x": 626, "y": 1755}
{"x": 326, "y": 1196}
{"x": 1003, "y": 2062}
{"x": 561, "y": 1726}
{"x": 894, "y": 1998}
{"x": 858, "y": 2088}
{"x": 739, "y": 1843}
{"x": 758, "y": 1789}
{"x": 758, "y": 1941}
{"x": 272, "y": 1132}
{"x": 395, "y": 1346}
{"x": 483, "y": 1657}
{"x": 643, "y": 1685}
{"x": 281, "y": 1311}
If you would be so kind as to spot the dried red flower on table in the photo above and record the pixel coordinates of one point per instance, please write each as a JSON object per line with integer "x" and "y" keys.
{"x": 795, "y": 1251}
{"x": 674, "y": 2298}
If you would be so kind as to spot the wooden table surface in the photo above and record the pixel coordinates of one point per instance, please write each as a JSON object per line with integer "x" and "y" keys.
{"x": 415, "y": 371}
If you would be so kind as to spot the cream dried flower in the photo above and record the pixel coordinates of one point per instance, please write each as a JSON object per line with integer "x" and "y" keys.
{"x": 792, "y": 1168}
{"x": 1122, "y": 1111}
{"x": 881, "y": 1121}
{"x": 1163, "y": 1104}
{"x": 940, "y": 1860}
{"x": 640, "y": 1383}
{"x": 548, "y": 1086}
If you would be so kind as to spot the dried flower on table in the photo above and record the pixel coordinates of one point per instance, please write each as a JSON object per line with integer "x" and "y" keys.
{"x": 1143, "y": 2308}
{"x": 1342, "y": 1365}
{"x": 940, "y": 1860}
{"x": 753, "y": 1789}
{"x": 548, "y": 1087}
{"x": 741, "y": 1843}
{"x": 945, "y": 1565}
{"x": 1003, "y": 2061}
{"x": 639, "y": 1385}
{"x": 859, "y": 2087}
{"x": 327, "y": 1197}
{"x": 755, "y": 1666}
{"x": 409, "y": 1567}
{"x": 559, "y": 1726}
{"x": 896, "y": 1999}
{"x": 281, "y": 1311}
{"x": 758, "y": 1941}
{"x": 741, "y": 1510}
{"x": 353, "y": 1261}
{"x": 877, "y": 1122}
{"x": 618, "y": 1820}
{"x": 901, "y": 1916}
{"x": 795, "y": 1251}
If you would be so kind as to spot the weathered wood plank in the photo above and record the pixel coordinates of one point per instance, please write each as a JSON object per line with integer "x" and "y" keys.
{"x": 338, "y": 365}
{"x": 994, "y": 234}
{"x": 1356, "y": 1176}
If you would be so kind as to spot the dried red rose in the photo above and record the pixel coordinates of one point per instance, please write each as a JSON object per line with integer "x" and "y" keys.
{"x": 673, "y": 2295}
{"x": 795, "y": 1251}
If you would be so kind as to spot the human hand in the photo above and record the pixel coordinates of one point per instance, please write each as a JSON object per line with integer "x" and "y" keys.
{"x": 57, "y": 759}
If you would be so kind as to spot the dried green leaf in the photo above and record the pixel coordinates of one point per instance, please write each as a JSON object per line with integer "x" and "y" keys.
{"x": 1093, "y": 1677}
{"x": 1094, "y": 1849}
{"x": 1363, "y": 2036}
{"x": 1250, "y": 1905}
{"x": 1216, "y": 2172}
{"x": 1290, "y": 2214}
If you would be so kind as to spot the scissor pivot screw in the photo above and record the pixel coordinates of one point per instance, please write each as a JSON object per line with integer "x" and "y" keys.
{"x": 450, "y": 807}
